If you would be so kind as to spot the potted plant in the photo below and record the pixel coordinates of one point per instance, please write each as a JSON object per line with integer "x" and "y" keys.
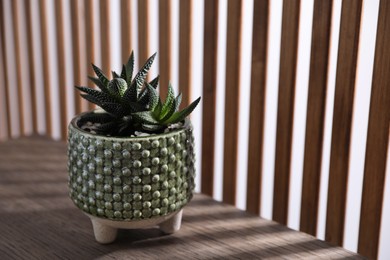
{"x": 131, "y": 162}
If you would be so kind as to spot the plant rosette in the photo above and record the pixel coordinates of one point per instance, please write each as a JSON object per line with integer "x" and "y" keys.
{"x": 131, "y": 182}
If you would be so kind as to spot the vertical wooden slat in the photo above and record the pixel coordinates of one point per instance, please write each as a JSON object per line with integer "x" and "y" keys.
{"x": 143, "y": 29}
{"x": 5, "y": 68}
{"x": 46, "y": 66}
{"x": 377, "y": 141}
{"x": 210, "y": 63}
{"x": 105, "y": 36}
{"x": 90, "y": 32}
{"x": 342, "y": 119}
{"x": 257, "y": 104}
{"x": 287, "y": 75}
{"x": 233, "y": 49}
{"x": 126, "y": 29}
{"x": 31, "y": 58}
{"x": 185, "y": 49}
{"x": 165, "y": 45}
{"x": 61, "y": 67}
{"x": 75, "y": 14}
{"x": 15, "y": 21}
{"x": 320, "y": 42}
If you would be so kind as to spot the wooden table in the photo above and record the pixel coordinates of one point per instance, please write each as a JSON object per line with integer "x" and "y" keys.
{"x": 39, "y": 221}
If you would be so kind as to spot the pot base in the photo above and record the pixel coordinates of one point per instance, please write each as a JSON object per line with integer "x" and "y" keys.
{"x": 106, "y": 230}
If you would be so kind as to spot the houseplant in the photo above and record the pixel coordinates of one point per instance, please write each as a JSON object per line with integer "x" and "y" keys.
{"x": 131, "y": 163}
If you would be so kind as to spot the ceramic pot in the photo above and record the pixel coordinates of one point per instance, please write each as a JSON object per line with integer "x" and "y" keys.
{"x": 132, "y": 182}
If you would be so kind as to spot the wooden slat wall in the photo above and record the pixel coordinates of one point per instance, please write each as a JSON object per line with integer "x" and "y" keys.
{"x": 143, "y": 29}
{"x": 377, "y": 141}
{"x": 342, "y": 119}
{"x": 90, "y": 35}
{"x": 287, "y": 75}
{"x": 210, "y": 63}
{"x": 165, "y": 45}
{"x": 315, "y": 115}
{"x": 61, "y": 67}
{"x": 76, "y": 7}
{"x": 31, "y": 58}
{"x": 233, "y": 48}
{"x": 5, "y": 68}
{"x": 105, "y": 36}
{"x": 185, "y": 49}
{"x": 15, "y": 21}
{"x": 46, "y": 65}
{"x": 257, "y": 104}
{"x": 126, "y": 31}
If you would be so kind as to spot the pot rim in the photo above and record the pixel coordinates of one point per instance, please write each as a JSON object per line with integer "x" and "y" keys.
{"x": 74, "y": 127}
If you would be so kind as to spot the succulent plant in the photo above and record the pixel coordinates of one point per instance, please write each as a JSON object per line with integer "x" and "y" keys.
{"x": 131, "y": 104}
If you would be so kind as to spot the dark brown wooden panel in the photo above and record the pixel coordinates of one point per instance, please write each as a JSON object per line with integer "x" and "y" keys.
{"x": 77, "y": 53}
{"x": 165, "y": 45}
{"x": 377, "y": 141}
{"x": 46, "y": 65}
{"x": 90, "y": 28}
{"x": 233, "y": 49}
{"x": 5, "y": 69}
{"x": 257, "y": 104}
{"x": 31, "y": 58}
{"x": 126, "y": 32}
{"x": 143, "y": 29}
{"x": 185, "y": 48}
{"x": 61, "y": 67}
{"x": 287, "y": 75}
{"x": 105, "y": 36}
{"x": 210, "y": 64}
{"x": 318, "y": 79}
{"x": 19, "y": 79}
{"x": 342, "y": 119}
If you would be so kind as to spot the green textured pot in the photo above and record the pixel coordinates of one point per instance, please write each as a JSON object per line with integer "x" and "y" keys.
{"x": 132, "y": 182}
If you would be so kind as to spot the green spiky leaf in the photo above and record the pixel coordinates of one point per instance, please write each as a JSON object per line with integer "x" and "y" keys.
{"x": 98, "y": 83}
{"x": 114, "y": 75}
{"x": 169, "y": 102}
{"x": 100, "y": 75}
{"x": 145, "y": 117}
{"x": 179, "y": 116}
{"x": 98, "y": 95}
{"x": 129, "y": 67}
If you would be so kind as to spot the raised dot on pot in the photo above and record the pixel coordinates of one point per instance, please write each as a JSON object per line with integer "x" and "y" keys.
{"x": 117, "y": 181}
{"x": 155, "y": 144}
{"x": 136, "y": 146}
{"x": 137, "y": 164}
{"x": 145, "y": 153}
{"x": 156, "y": 194}
{"x": 146, "y": 171}
{"x": 156, "y": 212}
{"x": 155, "y": 161}
{"x": 147, "y": 204}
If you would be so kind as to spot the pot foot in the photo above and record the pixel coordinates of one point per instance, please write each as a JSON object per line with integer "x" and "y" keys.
{"x": 173, "y": 224}
{"x": 103, "y": 234}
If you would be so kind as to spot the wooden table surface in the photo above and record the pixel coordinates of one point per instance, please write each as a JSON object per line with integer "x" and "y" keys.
{"x": 39, "y": 221}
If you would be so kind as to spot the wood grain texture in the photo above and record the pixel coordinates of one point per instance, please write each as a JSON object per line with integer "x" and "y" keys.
{"x": 19, "y": 80}
{"x": 46, "y": 65}
{"x": 143, "y": 31}
{"x": 5, "y": 69}
{"x": 38, "y": 220}
{"x": 126, "y": 31}
{"x": 77, "y": 53}
{"x": 342, "y": 120}
{"x": 233, "y": 49}
{"x": 31, "y": 59}
{"x": 105, "y": 36}
{"x": 318, "y": 79}
{"x": 257, "y": 104}
{"x": 210, "y": 65}
{"x": 90, "y": 27}
{"x": 377, "y": 141}
{"x": 185, "y": 50}
{"x": 165, "y": 45}
{"x": 63, "y": 100}
{"x": 287, "y": 75}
